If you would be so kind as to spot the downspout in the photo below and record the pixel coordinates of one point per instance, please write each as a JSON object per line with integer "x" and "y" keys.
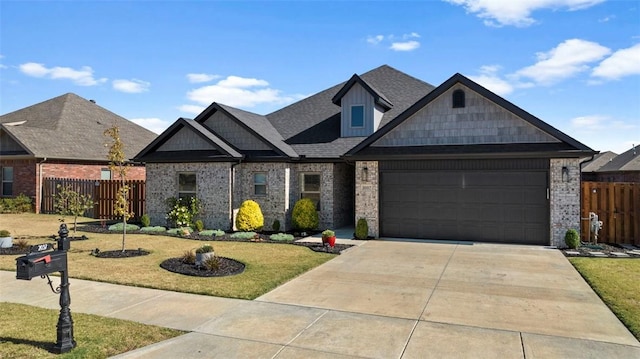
{"x": 40, "y": 183}
{"x": 233, "y": 175}
{"x": 593, "y": 156}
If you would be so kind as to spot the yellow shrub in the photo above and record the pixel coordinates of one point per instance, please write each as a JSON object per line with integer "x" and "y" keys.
{"x": 249, "y": 217}
{"x": 304, "y": 216}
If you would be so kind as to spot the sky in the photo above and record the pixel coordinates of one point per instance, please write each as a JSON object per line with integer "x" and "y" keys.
{"x": 574, "y": 64}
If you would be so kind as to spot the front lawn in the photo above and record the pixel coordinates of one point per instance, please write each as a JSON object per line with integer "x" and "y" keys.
{"x": 30, "y": 332}
{"x": 617, "y": 282}
{"x": 267, "y": 264}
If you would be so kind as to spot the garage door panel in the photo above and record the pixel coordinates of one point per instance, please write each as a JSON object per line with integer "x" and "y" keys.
{"x": 481, "y": 205}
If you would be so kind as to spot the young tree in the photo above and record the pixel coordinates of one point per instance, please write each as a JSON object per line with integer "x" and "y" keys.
{"x": 69, "y": 202}
{"x": 118, "y": 165}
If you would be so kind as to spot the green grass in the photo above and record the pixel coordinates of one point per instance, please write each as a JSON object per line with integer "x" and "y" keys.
{"x": 30, "y": 332}
{"x": 268, "y": 265}
{"x": 617, "y": 282}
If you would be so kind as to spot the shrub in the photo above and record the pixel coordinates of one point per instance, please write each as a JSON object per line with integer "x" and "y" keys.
{"x": 182, "y": 212}
{"x": 249, "y": 216}
{"x": 212, "y": 263}
{"x": 212, "y": 232}
{"x": 243, "y": 235}
{"x": 281, "y": 237}
{"x": 155, "y": 229}
{"x": 145, "y": 220}
{"x": 188, "y": 257}
{"x": 207, "y": 248}
{"x": 276, "y": 226}
{"x": 304, "y": 216}
{"x": 328, "y": 233}
{"x": 5, "y": 233}
{"x": 23, "y": 203}
{"x": 177, "y": 231}
{"x": 199, "y": 225}
{"x": 21, "y": 244}
{"x": 119, "y": 226}
{"x": 572, "y": 238}
{"x": 362, "y": 229}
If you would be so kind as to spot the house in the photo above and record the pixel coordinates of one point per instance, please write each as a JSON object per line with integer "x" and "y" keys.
{"x": 62, "y": 137}
{"x": 449, "y": 162}
{"x": 609, "y": 167}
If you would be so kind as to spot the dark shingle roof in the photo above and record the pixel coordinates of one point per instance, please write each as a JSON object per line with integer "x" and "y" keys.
{"x": 627, "y": 161}
{"x": 223, "y": 149}
{"x": 312, "y": 125}
{"x": 71, "y": 127}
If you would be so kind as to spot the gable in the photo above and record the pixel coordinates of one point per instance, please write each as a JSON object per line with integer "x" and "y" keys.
{"x": 9, "y": 146}
{"x": 227, "y": 128}
{"x": 185, "y": 139}
{"x": 480, "y": 122}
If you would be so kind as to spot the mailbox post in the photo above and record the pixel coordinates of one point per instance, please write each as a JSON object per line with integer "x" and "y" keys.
{"x": 41, "y": 261}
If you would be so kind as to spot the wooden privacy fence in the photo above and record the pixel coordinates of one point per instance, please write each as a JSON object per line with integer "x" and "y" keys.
{"x": 103, "y": 193}
{"x": 617, "y": 205}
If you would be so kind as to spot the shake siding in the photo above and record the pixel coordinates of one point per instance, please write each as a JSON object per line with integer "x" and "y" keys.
{"x": 234, "y": 133}
{"x": 357, "y": 95}
{"x": 185, "y": 139}
{"x": 479, "y": 122}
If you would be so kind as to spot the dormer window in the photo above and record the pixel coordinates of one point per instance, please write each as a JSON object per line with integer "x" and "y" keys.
{"x": 458, "y": 99}
{"x": 357, "y": 116}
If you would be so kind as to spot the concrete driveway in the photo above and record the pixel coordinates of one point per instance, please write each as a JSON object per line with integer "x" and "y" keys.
{"x": 383, "y": 299}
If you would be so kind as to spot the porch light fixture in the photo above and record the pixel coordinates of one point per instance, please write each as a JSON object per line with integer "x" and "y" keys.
{"x": 365, "y": 174}
{"x": 565, "y": 174}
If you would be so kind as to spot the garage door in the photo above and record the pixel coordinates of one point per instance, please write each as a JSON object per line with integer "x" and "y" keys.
{"x": 488, "y": 201}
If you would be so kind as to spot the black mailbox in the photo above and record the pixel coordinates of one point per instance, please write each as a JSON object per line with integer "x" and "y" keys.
{"x": 39, "y": 264}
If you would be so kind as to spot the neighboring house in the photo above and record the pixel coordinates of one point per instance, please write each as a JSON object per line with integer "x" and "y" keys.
{"x": 449, "y": 162}
{"x": 62, "y": 137}
{"x": 609, "y": 167}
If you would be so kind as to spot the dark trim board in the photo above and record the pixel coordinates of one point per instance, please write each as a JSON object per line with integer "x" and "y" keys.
{"x": 486, "y": 201}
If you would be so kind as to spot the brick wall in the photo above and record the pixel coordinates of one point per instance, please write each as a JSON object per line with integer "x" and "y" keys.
{"x": 564, "y": 198}
{"x": 367, "y": 195}
{"x": 24, "y": 176}
{"x": 87, "y": 171}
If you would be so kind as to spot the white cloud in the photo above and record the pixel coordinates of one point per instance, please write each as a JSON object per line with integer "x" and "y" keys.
{"x": 607, "y": 18}
{"x": 622, "y": 63}
{"x": 403, "y": 42}
{"x": 375, "y": 39}
{"x": 405, "y": 46}
{"x": 590, "y": 123}
{"x": 565, "y": 60}
{"x": 490, "y": 79}
{"x": 82, "y": 77}
{"x": 197, "y": 78}
{"x": 155, "y": 125}
{"x": 131, "y": 86}
{"x": 517, "y": 12}
{"x": 238, "y": 91}
{"x": 193, "y": 109}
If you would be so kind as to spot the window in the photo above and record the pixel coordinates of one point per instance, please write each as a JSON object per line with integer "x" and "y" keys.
{"x": 458, "y": 99}
{"x": 260, "y": 184}
{"x": 105, "y": 174}
{"x": 7, "y": 181}
{"x": 357, "y": 116}
{"x": 310, "y": 187}
{"x": 186, "y": 185}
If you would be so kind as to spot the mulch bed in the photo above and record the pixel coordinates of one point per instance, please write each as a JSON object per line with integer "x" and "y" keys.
{"x": 262, "y": 238}
{"x": 227, "y": 267}
{"x": 127, "y": 253}
{"x": 585, "y": 249}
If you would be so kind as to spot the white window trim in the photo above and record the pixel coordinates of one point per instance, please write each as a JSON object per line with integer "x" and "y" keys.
{"x": 364, "y": 116}
{"x": 265, "y": 184}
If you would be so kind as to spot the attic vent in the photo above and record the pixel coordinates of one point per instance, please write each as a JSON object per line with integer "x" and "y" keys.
{"x": 18, "y": 123}
{"x": 458, "y": 99}
{"x": 92, "y": 101}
